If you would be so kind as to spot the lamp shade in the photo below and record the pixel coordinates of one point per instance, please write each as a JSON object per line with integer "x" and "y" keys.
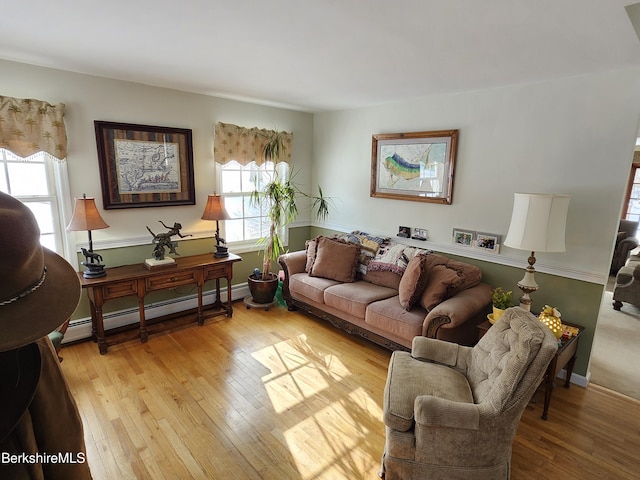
{"x": 538, "y": 222}
{"x": 86, "y": 216}
{"x": 214, "y": 210}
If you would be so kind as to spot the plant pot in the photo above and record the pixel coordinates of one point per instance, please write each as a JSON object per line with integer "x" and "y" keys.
{"x": 263, "y": 291}
{"x": 497, "y": 313}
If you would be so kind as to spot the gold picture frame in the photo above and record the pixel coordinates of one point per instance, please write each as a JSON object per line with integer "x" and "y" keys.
{"x": 416, "y": 166}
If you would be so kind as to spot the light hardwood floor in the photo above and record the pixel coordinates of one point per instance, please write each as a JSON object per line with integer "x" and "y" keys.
{"x": 279, "y": 395}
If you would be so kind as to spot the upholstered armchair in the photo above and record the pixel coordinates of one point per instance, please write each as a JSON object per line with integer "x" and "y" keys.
{"x": 625, "y": 242}
{"x": 451, "y": 412}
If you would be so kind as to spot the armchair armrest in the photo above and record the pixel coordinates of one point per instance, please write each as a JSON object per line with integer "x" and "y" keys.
{"x": 438, "y": 412}
{"x": 434, "y": 350}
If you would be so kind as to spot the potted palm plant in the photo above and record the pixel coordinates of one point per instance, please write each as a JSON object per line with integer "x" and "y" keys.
{"x": 279, "y": 198}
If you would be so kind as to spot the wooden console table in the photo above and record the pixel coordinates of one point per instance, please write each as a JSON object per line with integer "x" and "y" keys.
{"x": 137, "y": 280}
{"x": 565, "y": 356}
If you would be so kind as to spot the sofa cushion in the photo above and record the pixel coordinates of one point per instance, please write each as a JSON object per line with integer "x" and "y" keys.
{"x": 353, "y": 298}
{"x": 404, "y": 385}
{"x": 302, "y": 285}
{"x": 383, "y": 278}
{"x": 335, "y": 259}
{"x": 414, "y": 280}
{"x": 388, "y": 315}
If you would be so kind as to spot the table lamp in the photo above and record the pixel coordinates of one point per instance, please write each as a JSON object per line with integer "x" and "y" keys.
{"x": 214, "y": 210}
{"x": 538, "y": 224}
{"x": 86, "y": 217}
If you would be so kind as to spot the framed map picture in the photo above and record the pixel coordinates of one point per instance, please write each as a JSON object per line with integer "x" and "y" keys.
{"x": 144, "y": 166}
{"x": 414, "y": 166}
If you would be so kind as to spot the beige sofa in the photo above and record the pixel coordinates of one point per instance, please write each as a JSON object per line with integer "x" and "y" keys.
{"x": 385, "y": 291}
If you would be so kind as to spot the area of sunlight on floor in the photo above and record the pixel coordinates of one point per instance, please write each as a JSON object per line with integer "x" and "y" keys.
{"x": 321, "y": 424}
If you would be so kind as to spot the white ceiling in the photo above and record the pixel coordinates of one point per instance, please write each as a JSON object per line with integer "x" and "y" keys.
{"x": 323, "y": 54}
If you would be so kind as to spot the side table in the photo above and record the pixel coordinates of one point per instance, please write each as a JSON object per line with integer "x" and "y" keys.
{"x": 564, "y": 357}
{"x": 136, "y": 280}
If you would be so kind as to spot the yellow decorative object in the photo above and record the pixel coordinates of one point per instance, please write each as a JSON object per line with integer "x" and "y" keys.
{"x": 551, "y": 318}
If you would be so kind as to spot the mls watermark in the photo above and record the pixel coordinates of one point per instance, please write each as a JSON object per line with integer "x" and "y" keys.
{"x": 42, "y": 458}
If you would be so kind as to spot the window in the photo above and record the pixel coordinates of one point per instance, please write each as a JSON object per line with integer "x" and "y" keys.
{"x": 633, "y": 195}
{"x": 248, "y": 222}
{"x": 33, "y": 181}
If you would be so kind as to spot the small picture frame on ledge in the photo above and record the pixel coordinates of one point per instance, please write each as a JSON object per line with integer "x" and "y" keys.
{"x": 420, "y": 234}
{"x": 404, "y": 232}
{"x": 488, "y": 241}
{"x": 462, "y": 237}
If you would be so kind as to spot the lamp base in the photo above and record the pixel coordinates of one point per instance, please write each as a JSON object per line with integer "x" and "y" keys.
{"x": 528, "y": 285}
{"x": 221, "y": 252}
{"x": 93, "y": 270}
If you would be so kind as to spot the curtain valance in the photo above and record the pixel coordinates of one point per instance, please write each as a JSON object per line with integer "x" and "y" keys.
{"x": 245, "y": 145}
{"x": 30, "y": 126}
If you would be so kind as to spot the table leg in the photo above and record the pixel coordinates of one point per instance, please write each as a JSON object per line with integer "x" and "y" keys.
{"x": 200, "y": 316}
{"x": 94, "y": 330}
{"x": 229, "y": 304}
{"x": 100, "y": 337}
{"x": 549, "y": 386}
{"x": 570, "y": 364}
{"x": 144, "y": 335}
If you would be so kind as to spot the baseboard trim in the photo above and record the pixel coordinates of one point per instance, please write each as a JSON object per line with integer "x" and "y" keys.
{"x": 80, "y": 329}
{"x": 576, "y": 379}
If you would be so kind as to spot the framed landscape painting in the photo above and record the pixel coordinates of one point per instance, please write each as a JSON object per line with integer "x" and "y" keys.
{"x": 144, "y": 166}
{"x": 415, "y": 166}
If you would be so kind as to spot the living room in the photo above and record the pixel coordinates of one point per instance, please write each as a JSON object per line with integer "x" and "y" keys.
{"x": 571, "y": 134}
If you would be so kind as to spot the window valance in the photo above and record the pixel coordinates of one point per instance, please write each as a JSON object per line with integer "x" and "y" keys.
{"x": 246, "y": 145}
{"x": 30, "y": 126}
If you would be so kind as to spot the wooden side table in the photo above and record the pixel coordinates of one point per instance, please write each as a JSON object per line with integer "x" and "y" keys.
{"x": 136, "y": 280}
{"x": 564, "y": 357}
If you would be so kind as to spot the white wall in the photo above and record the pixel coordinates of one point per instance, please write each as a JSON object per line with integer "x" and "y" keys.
{"x": 89, "y": 98}
{"x": 574, "y": 135}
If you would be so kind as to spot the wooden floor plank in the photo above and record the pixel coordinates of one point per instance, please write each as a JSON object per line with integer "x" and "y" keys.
{"x": 280, "y": 395}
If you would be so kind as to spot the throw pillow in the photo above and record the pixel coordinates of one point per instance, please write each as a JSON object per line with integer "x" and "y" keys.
{"x": 413, "y": 281}
{"x": 442, "y": 281}
{"x": 335, "y": 259}
{"x": 470, "y": 275}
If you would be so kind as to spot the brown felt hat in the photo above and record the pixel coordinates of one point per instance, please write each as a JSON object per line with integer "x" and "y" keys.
{"x": 39, "y": 290}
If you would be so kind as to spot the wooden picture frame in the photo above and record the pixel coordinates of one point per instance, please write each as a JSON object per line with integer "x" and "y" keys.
{"x": 144, "y": 166}
{"x": 415, "y": 166}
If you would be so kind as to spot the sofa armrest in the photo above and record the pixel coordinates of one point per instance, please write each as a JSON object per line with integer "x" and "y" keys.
{"x": 293, "y": 262}
{"x": 458, "y": 309}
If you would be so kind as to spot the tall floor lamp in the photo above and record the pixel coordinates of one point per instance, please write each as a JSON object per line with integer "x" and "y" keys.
{"x": 86, "y": 217}
{"x": 214, "y": 210}
{"x": 538, "y": 224}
